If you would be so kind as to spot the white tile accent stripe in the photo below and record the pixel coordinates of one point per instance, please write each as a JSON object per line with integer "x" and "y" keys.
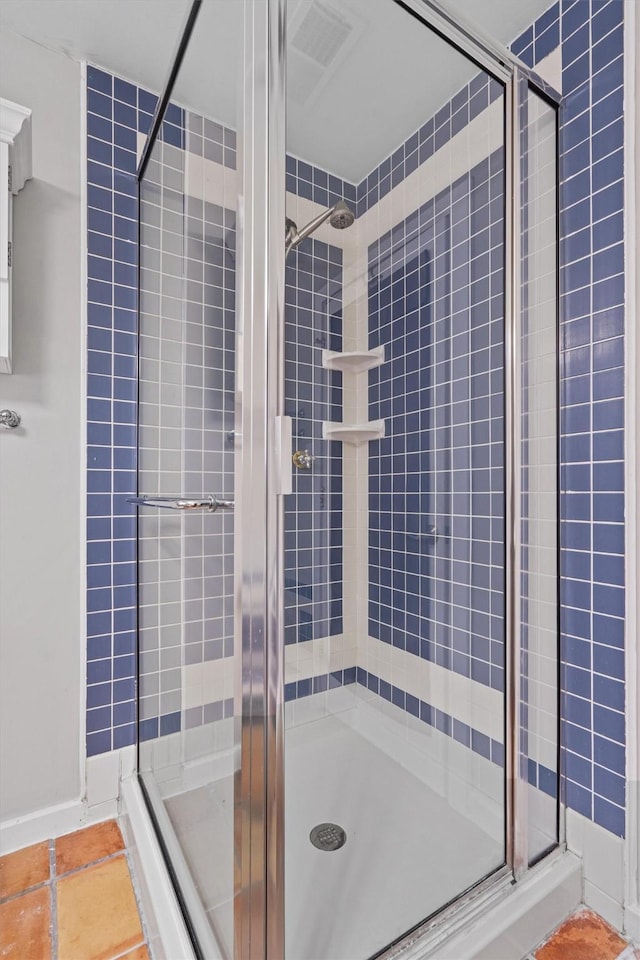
{"x": 472, "y": 703}
{"x": 478, "y": 140}
{"x": 207, "y": 682}
{"x": 314, "y": 658}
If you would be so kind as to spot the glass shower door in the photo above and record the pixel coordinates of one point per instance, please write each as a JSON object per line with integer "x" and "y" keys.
{"x": 201, "y": 650}
{"x": 325, "y": 519}
{"x": 188, "y": 743}
{"x": 395, "y": 644}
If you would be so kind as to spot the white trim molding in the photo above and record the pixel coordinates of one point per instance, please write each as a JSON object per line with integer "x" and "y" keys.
{"x": 15, "y": 168}
{"x": 602, "y": 856}
{"x": 15, "y": 130}
{"x": 52, "y": 822}
{"x": 100, "y": 802}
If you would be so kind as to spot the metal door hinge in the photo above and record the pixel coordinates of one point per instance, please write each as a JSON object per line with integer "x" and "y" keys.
{"x": 10, "y": 177}
{"x": 9, "y": 253}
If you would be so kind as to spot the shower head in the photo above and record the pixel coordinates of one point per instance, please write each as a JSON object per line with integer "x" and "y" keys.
{"x": 339, "y": 216}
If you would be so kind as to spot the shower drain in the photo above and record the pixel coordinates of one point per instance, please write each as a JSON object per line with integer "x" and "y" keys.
{"x": 328, "y": 836}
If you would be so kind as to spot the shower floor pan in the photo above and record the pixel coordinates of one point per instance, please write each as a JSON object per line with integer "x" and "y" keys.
{"x": 422, "y": 817}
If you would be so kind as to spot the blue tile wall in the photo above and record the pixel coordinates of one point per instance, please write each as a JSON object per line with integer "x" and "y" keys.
{"x": 116, "y": 112}
{"x": 592, "y": 402}
{"x": 313, "y": 515}
{"x": 313, "y": 183}
{"x": 211, "y": 140}
{"x": 198, "y": 244}
{"x": 592, "y": 399}
{"x": 470, "y": 101}
{"x": 436, "y": 481}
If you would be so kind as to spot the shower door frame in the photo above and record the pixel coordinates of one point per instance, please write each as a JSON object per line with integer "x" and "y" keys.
{"x": 263, "y": 477}
{"x": 517, "y": 79}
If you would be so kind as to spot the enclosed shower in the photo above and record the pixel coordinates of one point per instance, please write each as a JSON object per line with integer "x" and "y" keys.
{"x": 347, "y": 476}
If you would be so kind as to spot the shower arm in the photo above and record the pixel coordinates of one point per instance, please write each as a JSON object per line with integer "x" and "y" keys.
{"x": 295, "y": 236}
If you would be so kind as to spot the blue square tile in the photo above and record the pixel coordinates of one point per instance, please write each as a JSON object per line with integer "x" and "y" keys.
{"x": 609, "y": 816}
{"x": 124, "y": 91}
{"x": 99, "y": 80}
{"x": 98, "y": 743}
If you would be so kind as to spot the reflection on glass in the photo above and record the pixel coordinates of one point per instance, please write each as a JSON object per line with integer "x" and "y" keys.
{"x": 394, "y": 656}
{"x": 188, "y": 210}
{"x": 539, "y": 359}
{"x": 394, "y": 547}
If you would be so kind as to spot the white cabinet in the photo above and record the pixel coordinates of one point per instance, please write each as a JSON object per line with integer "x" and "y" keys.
{"x": 15, "y": 168}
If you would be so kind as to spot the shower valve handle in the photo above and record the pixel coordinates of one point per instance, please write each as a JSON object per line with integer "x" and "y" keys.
{"x": 302, "y": 459}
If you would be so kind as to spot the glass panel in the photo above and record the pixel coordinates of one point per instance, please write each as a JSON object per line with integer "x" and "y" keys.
{"x": 188, "y": 208}
{"x": 395, "y": 552}
{"x": 539, "y": 366}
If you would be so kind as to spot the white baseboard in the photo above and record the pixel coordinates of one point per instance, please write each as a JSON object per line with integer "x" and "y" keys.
{"x": 103, "y": 775}
{"x": 632, "y": 921}
{"x": 52, "y": 822}
{"x": 603, "y": 859}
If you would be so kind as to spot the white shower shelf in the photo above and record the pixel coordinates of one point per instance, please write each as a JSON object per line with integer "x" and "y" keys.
{"x": 353, "y": 361}
{"x": 354, "y": 433}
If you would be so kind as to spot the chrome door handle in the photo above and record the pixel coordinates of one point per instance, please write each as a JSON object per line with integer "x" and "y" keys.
{"x": 211, "y": 504}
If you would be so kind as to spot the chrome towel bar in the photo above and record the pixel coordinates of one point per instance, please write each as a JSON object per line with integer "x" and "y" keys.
{"x": 211, "y": 504}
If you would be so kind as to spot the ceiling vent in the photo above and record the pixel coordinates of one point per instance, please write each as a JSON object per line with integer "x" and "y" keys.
{"x": 320, "y": 39}
{"x": 321, "y": 33}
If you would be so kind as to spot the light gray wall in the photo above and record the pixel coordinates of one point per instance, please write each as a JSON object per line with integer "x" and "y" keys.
{"x": 40, "y": 464}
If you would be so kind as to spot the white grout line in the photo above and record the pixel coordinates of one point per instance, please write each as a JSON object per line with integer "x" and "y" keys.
{"x": 53, "y": 900}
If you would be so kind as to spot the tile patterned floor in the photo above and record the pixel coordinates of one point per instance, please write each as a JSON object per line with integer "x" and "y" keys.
{"x": 70, "y": 899}
{"x": 585, "y": 936}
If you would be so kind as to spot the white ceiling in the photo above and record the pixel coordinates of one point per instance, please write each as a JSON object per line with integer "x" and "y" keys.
{"x": 389, "y": 76}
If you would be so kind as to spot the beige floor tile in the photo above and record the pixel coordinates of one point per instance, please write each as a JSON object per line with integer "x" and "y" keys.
{"x": 86, "y": 846}
{"x": 25, "y": 926}
{"x": 584, "y": 936}
{"x": 97, "y": 913}
{"x": 23, "y": 869}
{"x": 140, "y": 953}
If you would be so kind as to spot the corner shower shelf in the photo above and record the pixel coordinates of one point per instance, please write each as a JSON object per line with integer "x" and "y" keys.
{"x": 354, "y": 433}
{"x": 353, "y": 361}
